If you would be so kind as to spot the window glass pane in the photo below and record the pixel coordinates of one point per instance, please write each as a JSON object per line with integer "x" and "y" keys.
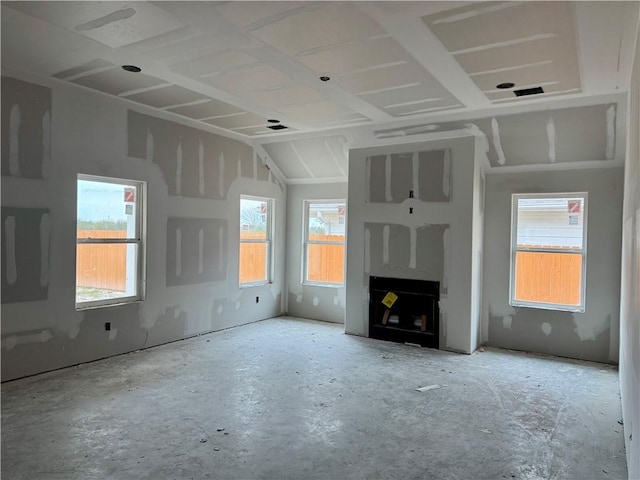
{"x": 548, "y": 277}
{"x": 254, "y": 219}
{"x": 106, "y": 210}
{"x": 325, "y": 263}
{"x": 253, "y": 262}
{"x": 550, "y": 222}
{"x": 326, "y": 219}
{"x": 106, "y": 271}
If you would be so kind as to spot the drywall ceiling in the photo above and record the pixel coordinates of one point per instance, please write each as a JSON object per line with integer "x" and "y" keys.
{"x": 233, "y": 66}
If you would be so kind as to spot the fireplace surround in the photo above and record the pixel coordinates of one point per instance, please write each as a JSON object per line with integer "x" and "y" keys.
{"x": 404, "y": 310}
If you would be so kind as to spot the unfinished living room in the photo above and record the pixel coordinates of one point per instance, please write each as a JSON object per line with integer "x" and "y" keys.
{"x": 324, "y": 240}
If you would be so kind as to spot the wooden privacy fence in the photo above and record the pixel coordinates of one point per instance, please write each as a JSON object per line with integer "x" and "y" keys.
{"x": 325, "y": 263}
{"x": 101, "y": 265}
{"x": 253, "y": 258}
{"x": 548, "y": 277}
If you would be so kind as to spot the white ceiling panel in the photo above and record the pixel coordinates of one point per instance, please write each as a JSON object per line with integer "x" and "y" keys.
{"x": 333, "y": 24}
{"x": 211, "y": 108}
{"x": 249, "y": 79}
{"x": 318, "y": 157}
{"x": 244, "y": 119}
{"x": 287, "y": 160}
{"x": 213, "y": 64}
{"x": 244, "y": 14}
{"x": 114, "y": 24}
{"x": 355, "y": 56}
{"x": 316, "y": 113}
{"x": 116, "y": 81}
{"x": 286, "y": 95}
{"x": 167, "y": 96}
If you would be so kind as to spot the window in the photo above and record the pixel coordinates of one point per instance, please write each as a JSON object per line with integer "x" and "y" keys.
{"x": 324, "y": 240}
{"x": 109, "y": 241}
{"x": 255, "y": 240}
{"x": 549, "y": 248}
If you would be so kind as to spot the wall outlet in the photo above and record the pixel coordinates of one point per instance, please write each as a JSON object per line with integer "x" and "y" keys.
{"x": 257, "y": 299}
{"x": 107, "y": 326}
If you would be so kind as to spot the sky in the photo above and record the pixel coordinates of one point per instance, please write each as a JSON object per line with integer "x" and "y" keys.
{"x": 100, "y": 201}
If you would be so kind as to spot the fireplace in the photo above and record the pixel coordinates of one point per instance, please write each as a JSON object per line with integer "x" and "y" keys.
{"x": 403, "y": 310}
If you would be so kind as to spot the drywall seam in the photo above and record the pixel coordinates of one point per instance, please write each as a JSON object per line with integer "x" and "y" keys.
{"x": 149, "y": 145}
{"x": 179, "y": 168}
{"x": 201, "y": 167}
{"x": 611, "y": 133}
{"x": 200, "y": 251}
{"x": 385, "y": 244}
{"x": 367, "y": 184}
{"x": 45, "y": 231}
{"x": 416, "y": 174}
{"x": 446, "y": 175}
{"x": 221, "y": 174}
{"x": 367, "y": 251}
{"x": 14, "y": 142}
{"x": 413, "y": 240}
{"x": 10, "y": 249}
{"x": 497, "y": 144}
{"x": 46, "y": 144}
{"x": 446, "y": 243}
{"x": 178, "y": 252}
{"x": 551, "y": 137}
{"x": 221, "y": 247}
{"x": 387, "y": 179}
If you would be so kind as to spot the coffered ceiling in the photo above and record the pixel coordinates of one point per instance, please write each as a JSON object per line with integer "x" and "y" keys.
{"x": 233, "y": 66}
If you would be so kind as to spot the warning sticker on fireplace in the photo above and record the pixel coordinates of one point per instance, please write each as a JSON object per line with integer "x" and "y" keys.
{"x": 389, "y": 299}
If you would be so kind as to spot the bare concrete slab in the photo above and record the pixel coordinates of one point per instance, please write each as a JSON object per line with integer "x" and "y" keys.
{"x": 291, "y": 399}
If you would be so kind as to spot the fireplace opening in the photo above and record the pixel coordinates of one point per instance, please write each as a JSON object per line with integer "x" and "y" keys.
{"x": 403, "y": 310}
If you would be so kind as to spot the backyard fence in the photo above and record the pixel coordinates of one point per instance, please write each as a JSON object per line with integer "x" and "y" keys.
{"x": 549, "y": 277}
{"x": 540, "y": 276}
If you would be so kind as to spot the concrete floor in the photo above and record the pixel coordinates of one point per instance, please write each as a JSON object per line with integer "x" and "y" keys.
{"x": 291, "y": 399}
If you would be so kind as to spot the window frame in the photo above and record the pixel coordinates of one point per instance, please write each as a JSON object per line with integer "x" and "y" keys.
{"x": 306, "y": 242}
{"x": 139, "y": 240}
{"x": 514, "y": 249}
{"x": 269, "y": 240}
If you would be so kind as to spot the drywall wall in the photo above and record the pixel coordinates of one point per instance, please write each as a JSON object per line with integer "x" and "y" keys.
{"x": 480, "y": 167}
{"x": 194, "y": 182}
{"x": 589, "y": 335}
{"x": 411, "y": 215}
{"x": 310, "y": 301}
{"x": 629, "y": 296}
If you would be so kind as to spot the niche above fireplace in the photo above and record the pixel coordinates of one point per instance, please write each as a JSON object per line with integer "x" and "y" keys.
{"x": 403, "y": 310}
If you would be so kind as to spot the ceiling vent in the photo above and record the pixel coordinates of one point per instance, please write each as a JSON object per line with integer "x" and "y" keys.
{"x": 277, "y": 127}
{"x": 528, "y": 91}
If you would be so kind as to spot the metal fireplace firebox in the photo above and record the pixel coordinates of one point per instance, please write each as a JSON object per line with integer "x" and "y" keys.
{"x": 403, "y": 310}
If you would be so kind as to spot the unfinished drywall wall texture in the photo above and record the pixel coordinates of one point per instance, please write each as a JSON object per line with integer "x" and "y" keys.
{"x": 411, "y": 210}
{"x": 194, "y": 182}
{"x": 585, "y": 335}
{"x": 630, "y": 287}
{"x": 307, "y": 300}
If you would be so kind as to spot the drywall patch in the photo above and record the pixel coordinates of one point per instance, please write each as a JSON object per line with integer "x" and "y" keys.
{"x": 367, "y": 251}
{"x": 507, "y": 320}
{"x": 316, "y": 301}
{"x": 192, "y": 161}
{"x": 187, "y": 262}
{"x": 22, "y": 230}
{"x": 398, "y": 248}
{"x": 588, "y": 328}
{"x": 497, "y": 144}
{"x": 401, "y": 182}
{"x": 430, "y": 253}
{"x": 546, "y": 329}
{"x": 299, "y": 298}
{"x": 23, "y": 338}
{"x": 26, "y": 127}
{"x": 434, "y": 176}
{"x": 377, "y": 178}
{"x": 447, "y": 260}
{"x": 551, "y": 138}
{"x": 611, "y": 133}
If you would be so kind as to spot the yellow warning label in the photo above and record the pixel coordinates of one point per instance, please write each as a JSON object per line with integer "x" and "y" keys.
{"x": 389, "y": 299}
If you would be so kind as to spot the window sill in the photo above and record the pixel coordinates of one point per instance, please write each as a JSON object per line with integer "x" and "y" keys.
{"x": 256, "y": 284}
{"x": 327, "y": 285}
{"x": 95, "y": 306}
{"x": 543, "y": 306}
